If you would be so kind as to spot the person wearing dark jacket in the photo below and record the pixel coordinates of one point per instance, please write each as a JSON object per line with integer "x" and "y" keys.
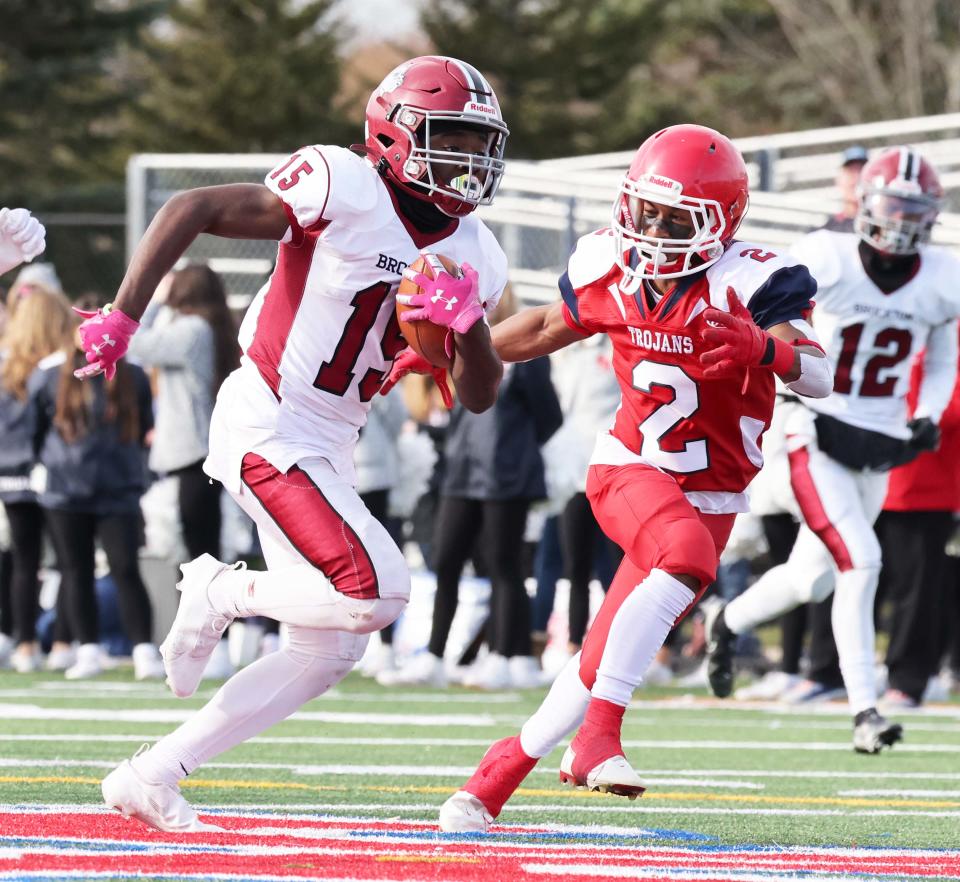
{"x": 39, "y": 325}
{"x": 89, "y": 437}
{"x": 493, "y": 471}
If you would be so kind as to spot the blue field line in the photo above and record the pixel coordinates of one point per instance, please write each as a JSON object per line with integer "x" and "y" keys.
{"x": 538, "y": 836}
{"x": 27, "y": 842}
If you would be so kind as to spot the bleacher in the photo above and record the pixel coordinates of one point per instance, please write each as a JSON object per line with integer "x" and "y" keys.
{"x": 543, "y": 207}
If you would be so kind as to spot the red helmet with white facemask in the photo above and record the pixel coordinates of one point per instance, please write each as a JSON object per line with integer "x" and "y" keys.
{"x": 688, "y": 168}
{"x": 900, "y": 196}
{"x": 416, "y": 101}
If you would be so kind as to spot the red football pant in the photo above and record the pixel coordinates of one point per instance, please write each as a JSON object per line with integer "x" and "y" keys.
{"x": 645, "y": 512}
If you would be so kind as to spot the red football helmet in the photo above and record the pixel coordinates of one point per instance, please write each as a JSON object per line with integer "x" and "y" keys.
{"x": 900, "y": 197}
{"x": 685, "y": 167}
{"x": 403, "y": 113}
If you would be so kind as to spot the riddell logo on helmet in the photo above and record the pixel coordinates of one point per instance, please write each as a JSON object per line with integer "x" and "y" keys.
{"x": 665, "y": 183}
{"x": 475, "y": 107}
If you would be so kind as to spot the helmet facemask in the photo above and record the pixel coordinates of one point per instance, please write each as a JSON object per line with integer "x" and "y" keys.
{"x": 665, "y": 258}
{"x": 894, "y": 222}
{"x": 426, "y": 169}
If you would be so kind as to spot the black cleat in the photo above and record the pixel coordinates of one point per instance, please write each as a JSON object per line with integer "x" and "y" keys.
{"x": 721, "y": 642}
{"x": 872, "y": 733}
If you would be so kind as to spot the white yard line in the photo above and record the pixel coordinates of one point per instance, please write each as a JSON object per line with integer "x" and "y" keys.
{"x": 843, "y": 746}
{"x": 388, "y": 771}
{"x": 91, "y": 688}
{"x": 906, "y": 794}
{"x": 34, "y": 712}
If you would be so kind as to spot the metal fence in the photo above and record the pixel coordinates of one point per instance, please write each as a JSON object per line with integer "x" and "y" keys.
{"x": 542, "y": 208}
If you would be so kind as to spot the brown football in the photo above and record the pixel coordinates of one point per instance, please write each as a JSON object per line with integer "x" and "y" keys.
{"x": 424, "y": 337}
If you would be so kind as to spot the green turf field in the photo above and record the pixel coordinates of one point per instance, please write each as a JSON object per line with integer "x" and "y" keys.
{"x": 718, "y": 771}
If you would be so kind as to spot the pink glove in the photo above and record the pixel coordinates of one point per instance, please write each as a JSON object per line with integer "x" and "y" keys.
{"x": 739, "y": 342}
{"x": 445, "y": 300}
{"x": 104, "y": 335}
{"x": 408, "y": 362}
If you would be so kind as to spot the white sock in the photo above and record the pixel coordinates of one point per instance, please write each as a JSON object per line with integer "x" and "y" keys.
{"x": 559, "y": 713}
{"x": 262, "y": 694}
{"x": 852, "y": 619}
{"x": 776, "y": 592}
{"x": 636, "y": 634}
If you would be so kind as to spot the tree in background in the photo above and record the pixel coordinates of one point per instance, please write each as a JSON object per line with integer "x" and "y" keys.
{"x": 60, "y": 101}
{"x": 877, "y": 59}
{"x": 572, "y": 78}
{"x": 241, "y": 76}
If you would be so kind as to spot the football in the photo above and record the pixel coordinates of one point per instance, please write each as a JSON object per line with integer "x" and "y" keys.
{"x": 424, "y": 337}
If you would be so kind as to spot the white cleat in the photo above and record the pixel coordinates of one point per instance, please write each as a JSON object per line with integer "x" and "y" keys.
{"x": 197, "y": 628}
{"x": 160, "y": 806}
{"x": 464, "y": 813}
{"x": 614, "y": 775}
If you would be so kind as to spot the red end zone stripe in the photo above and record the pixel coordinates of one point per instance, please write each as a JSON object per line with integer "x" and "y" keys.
{"x": 313, "y": 526}
{"x": 808, "y": 498}
{"x": 58, "y": 845}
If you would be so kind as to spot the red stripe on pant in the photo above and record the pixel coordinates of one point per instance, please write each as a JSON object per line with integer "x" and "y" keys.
{"x": 312, "y": 526}
{"x": 811, "y": 507}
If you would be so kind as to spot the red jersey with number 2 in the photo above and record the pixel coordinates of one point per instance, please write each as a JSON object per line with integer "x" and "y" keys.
{"x": 704, "y": 432}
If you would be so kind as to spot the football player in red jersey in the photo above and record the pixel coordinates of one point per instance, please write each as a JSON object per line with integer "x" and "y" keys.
{"x": 317, "y": 343}
{"x": 700, "y": 324}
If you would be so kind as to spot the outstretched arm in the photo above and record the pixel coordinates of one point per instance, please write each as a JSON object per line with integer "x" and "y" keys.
{"x": 789, "y": 349}
{"x": 534, "y": 332}
{"x": 235, "y": 211}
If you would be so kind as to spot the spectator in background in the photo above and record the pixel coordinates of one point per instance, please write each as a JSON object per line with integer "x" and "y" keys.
{"x": 33, "y": 277}
{"x": 589, "y": 397}
{"x": 40, "y": 325}
{"x": 378, "y": 466}
{"x": 493, "y": 471}
{"x": 22, "y": 238}
{"x": 90, "y": 439}
{"x": 848, "y": 179}
{"x": 913, "y": 528}
{"x": 189, "y": 336}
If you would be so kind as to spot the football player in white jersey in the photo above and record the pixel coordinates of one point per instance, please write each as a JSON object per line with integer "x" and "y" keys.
{"x": 883, "y": 295}
{"x": 318, "y": 341}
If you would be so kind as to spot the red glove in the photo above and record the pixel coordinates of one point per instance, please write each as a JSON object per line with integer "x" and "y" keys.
{"x": 736, "y": 341}
{"x": 408, "y": 362}
{"x": 104, "y": 335}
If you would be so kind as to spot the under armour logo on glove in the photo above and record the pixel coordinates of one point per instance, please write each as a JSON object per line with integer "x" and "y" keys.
{"x": 459, "y": 312}
{"x": 439, "y": 297}
{"x": 107, "y": 341}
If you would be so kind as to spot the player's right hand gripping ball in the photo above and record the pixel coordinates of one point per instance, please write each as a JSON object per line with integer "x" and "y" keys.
{"x": 436, "y": 298}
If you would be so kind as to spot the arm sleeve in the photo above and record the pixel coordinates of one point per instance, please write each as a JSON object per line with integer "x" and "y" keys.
{"x": 939, "y": 372}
